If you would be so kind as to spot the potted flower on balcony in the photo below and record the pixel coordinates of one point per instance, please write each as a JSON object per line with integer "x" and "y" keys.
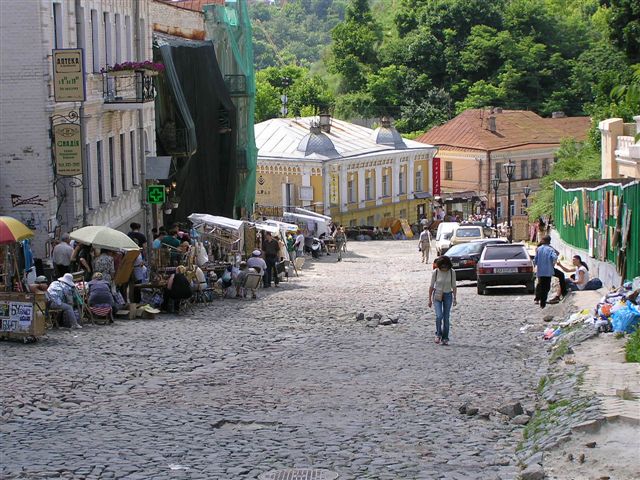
{"x": 127, "y": 68}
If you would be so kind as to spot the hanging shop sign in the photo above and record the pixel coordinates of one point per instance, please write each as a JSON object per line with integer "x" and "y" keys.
{"x": 156, "y": 194}
{"x": 333, "y": 189}
{"x": 437, "y": 189}
{"x": 68, "y": 75}
{"x": 67, "y": 149}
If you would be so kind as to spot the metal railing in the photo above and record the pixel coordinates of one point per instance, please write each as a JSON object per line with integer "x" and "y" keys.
{"x": 128, "y": 86}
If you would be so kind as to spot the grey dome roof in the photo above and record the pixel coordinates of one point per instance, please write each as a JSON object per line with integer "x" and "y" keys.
{"x": 317, "y": 142}
{"x": 386, "y": 134}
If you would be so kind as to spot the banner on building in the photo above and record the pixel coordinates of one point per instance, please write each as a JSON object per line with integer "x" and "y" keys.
{"x": 437, "y": 189}
{"x": 333, "y": 189}
{"x": 67, "y": 149}
{"x": 68, "y": 75}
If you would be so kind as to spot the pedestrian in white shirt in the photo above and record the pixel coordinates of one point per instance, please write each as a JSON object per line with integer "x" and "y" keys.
{"x": 299, "y": 244}
{"x": 62, "y": 256}
{"x": 425, "y": 244}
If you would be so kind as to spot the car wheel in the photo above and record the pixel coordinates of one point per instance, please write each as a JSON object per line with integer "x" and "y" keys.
{"x": 481, "y": 289}
{"x": 531, "y": 288}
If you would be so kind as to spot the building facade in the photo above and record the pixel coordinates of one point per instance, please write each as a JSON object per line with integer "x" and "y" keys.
{"x": 620, "y": 150}
{"x": 474, "y": 147}
{"x": 357, "y": 175}
{"x": 118, "y": 133}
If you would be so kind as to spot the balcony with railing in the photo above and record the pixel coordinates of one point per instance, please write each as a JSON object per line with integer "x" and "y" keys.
{"x": 127, "y": 89}
{"x": 236, "y": 85}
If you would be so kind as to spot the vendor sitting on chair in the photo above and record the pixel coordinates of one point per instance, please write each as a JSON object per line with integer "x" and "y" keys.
{"x": 100, "y": 292}
{"x": 178, "y": 288}
{"x": 40, "y": 285}
{"x": 60, "y": 296}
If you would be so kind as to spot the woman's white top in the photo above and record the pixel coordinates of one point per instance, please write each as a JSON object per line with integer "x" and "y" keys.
{"x": 585, "y": 277}
{"x": 443, "y": 281}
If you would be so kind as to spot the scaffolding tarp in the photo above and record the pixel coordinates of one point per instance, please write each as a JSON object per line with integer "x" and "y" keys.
{"x": 195, "y": 100}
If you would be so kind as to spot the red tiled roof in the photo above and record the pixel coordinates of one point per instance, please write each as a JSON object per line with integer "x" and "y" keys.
{"x": 514, "y": 128}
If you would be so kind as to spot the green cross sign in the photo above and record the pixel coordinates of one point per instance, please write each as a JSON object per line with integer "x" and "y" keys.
{"x": 156, "y": 194}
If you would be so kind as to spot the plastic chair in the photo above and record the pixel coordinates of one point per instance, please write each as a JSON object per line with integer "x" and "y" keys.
{"x": 101, "y": 315}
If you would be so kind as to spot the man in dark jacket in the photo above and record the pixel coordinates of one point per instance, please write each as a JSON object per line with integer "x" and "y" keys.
{"x": 271, "y": 249}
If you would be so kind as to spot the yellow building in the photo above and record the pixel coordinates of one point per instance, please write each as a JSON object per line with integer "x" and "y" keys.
{"x": 620, "y": 150}
{"x": 355, "y": 174}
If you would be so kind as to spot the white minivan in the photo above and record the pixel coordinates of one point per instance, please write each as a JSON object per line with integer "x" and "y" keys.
{"x": 443, "y": 236}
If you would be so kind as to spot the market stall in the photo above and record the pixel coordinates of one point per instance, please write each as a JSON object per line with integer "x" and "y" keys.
{"x": 21, "y": 312}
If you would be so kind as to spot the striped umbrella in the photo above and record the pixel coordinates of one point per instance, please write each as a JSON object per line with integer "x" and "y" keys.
{"x": 12, "y": 231}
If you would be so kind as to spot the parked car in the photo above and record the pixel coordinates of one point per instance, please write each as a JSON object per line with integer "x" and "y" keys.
{"x": 505, "y": 264}
{"x": 466, "y": 234}
{"x": 443, "y": 236}
{"x": 488, "y": 231}
{"x": 465, "y": 256}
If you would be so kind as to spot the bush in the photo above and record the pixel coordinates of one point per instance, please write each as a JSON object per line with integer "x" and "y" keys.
{"x": 633, "y": 347}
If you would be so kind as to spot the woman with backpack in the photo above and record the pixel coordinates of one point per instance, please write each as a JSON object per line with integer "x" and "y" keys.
{"x": 442, "y": 295}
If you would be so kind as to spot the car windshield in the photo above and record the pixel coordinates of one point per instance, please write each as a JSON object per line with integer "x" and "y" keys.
{"x": 462, "y": 249}
{"x": 468, "y": 232}
{"x": 505, "y": 253}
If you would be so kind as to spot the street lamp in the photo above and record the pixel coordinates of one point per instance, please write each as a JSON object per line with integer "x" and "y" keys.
{"x": 496, "y": 184}
{"x": 527, "y": 192}
{"x": 509, "y": 169}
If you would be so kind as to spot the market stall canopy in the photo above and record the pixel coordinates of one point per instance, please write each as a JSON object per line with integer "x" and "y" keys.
{"x": 213, "y": 220}
{"x": 273, "y": 229}
{"x": 104, "y": 237}
{"x": 312, "y": 213}
{"x": 288, "y": 227}
{"x": 12, "y": 231}
{"x": 309, "y": 218}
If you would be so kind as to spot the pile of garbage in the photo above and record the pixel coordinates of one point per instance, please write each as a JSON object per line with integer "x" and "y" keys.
{"x": 617, "y": 311}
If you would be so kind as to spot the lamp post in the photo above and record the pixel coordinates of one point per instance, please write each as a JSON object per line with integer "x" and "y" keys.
{"x": 527, "y": 191}
{"x": 495, "y": 183}
{"x": 509, "y": 169}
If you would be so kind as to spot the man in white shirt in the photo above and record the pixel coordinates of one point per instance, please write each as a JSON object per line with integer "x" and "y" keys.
{"x": 62, "y": 256}
{"x": 299, "y": 244}
{"x": 425, "y": 244}
{"x": 257, "y": 262}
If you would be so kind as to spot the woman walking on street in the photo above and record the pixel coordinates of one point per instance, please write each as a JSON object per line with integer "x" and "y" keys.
{"x": 442, "y": 295}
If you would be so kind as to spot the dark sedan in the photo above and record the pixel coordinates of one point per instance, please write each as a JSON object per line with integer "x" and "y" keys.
{"x": 465, "y": 256}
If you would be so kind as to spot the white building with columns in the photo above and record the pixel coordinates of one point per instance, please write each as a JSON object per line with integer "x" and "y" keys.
{"x": 119, "y": 130}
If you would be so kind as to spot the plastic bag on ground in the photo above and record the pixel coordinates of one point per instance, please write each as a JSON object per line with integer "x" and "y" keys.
{"x": 626, "y": 319}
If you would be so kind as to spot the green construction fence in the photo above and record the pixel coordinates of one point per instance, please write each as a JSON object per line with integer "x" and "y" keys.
{"x": 588, "y": 218}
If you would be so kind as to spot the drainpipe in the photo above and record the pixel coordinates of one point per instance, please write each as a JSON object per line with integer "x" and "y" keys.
{"x": 139, "y": 54}
{"x": 85, "y": 176}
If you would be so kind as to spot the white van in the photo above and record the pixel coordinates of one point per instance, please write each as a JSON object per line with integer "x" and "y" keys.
{"x": 443, "y": 236}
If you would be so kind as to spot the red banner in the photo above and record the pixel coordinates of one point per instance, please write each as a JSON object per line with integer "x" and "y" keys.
{"x": 436, "y": 190}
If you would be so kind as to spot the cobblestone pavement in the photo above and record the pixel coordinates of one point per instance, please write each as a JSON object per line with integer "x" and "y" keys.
{"x": 289, "y": 380}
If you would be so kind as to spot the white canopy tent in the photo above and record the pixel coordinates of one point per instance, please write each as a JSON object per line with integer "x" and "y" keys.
{"x": 315, "y": 224}
{"x": 228, "y": 231}
{"x": 313, "y": 214}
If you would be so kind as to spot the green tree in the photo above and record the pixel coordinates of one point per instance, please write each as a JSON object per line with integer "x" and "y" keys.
{"x": 575, "y": 161}
{"x": 624, "y": 26}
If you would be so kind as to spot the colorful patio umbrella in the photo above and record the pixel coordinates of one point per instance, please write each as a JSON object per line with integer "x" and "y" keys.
{"x": 12, "y": 231}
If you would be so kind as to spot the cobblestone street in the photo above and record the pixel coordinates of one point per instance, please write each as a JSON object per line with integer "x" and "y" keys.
{"x": 288, "y": 380}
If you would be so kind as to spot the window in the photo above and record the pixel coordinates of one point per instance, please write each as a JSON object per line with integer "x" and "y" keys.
{"x": 107, "y": 39}
{"x": 80, "y": 33}
{"x": 419, "y": 186}
{"x": 142, "y": 41}
{"x": 448, "y": 170}
{"x": 499, "y": 210}
{"x": 385, "y": 185}
{"x": 523, "y": 206}
{"x": 350, "y": 192}
{"x": 524, "y": 170}
{"x": 512, "y": 207}
{"x": 57, "y": 25}
{"x": 134, "y": 157}
{"x": 100, "y": 172}
{"x": 95, "y": 42}
{"x": 403, "y": 213}
{"x": 127, "y": 37}
{"x": 545, "y": 166}
{"x": 499, "y": 170}
{"x": 401, "y": 189}
{"x": 123, "y": 163}
{"x": 118, "y": 34}
{"x": 87, "y": 162}
{"x": 370, "y": 220}
{"x": 112, "y": 167}
{"x": 367, "y": 188}
{"x": 534, "y": 168}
